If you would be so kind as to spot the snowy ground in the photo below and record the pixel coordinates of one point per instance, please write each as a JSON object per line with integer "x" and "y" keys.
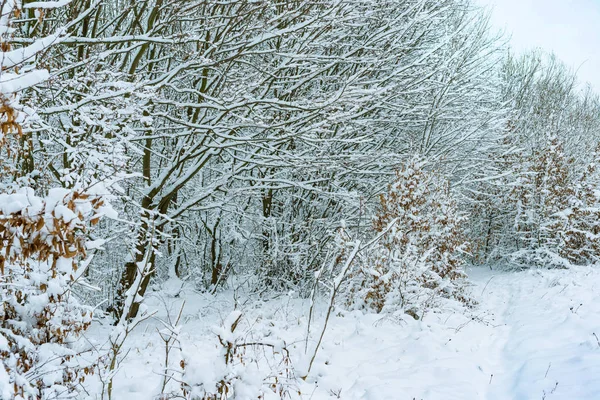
{"x": 531, "y": 337}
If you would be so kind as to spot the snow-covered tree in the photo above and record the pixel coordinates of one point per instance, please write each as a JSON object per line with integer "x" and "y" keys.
{"x": 518, "y": 202}
{"x": 254, "y": 127}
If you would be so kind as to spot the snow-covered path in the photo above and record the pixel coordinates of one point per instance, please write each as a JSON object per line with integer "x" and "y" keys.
{"x": 550, "y": 349}
{"x": 532, "y": 337}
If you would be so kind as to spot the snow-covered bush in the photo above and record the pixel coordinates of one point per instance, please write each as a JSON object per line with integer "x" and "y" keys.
{"x": 549, "y": 215}
{"x": 43, "y": 250}
{"x": 242, "y": 368}
{"x": 557, "y": 214}
{"x": 43, "y": 234}
{"x": 419, "y": 258}
{"x": 542, "y": 191}
{"x": 579, "y": 229}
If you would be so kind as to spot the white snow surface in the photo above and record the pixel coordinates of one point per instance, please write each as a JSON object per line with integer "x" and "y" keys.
{"x": 534, "y": 335}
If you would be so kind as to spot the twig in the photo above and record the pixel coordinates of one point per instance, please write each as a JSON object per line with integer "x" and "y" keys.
{"x": 486, "y": 285}
{"x": 336, "y": 285}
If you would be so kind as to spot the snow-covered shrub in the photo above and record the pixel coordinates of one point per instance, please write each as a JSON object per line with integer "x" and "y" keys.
{"x": 42, "y": 254}
{"x": 242, "y": 368}
{"x": 557, "y": 213}
{"x": 419, "y": 256}
{"x": 549, "y": 217}
{"x": 542, "y": 191}
{"x": 579, "y": 229}
{"x": 43, "y": 235}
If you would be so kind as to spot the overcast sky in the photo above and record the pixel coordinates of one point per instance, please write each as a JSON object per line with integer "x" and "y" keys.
{"x": 569, "y": 28}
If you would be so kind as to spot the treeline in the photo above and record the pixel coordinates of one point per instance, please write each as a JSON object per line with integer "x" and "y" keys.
{"x": 248, "y": 130}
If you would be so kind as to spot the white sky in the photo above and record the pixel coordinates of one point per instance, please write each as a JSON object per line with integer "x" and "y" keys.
{"x": 569, "y": 28}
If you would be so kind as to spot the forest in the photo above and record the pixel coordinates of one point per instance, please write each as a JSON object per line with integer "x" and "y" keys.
{"x": 268, "y": 199}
